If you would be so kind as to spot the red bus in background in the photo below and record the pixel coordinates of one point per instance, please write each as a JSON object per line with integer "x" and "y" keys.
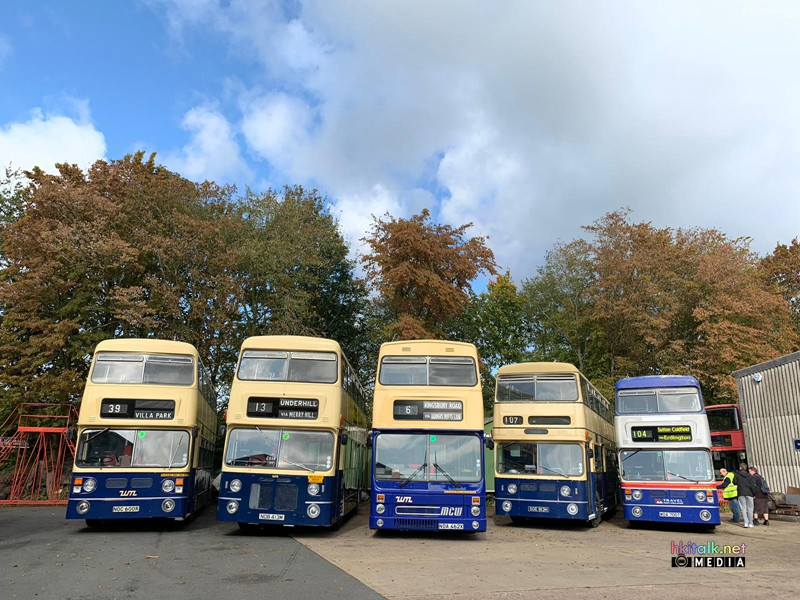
{"x": 727, "y": 437}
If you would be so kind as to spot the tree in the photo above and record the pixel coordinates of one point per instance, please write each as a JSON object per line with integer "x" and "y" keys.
{"x": 294, "y": 273}
{"x": 126, "y": 249}
{"x": 422, "y": 273}
{"x": 559, "y": 307}
{"x": 494, "y": 321}
{"x": 782, "y": 269}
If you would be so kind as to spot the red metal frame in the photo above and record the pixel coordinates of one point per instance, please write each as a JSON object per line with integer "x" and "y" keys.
{"x": 39, "y": 434}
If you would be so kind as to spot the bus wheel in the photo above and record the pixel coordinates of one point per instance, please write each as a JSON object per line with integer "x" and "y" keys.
{"x": 598, "y": 509}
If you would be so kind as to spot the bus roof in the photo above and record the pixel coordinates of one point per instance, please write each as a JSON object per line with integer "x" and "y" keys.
{"x": 290, "y": 342}
{"x": 537, "y": 367}
{"x": 656, "y": 381}
{"x": 145, "y": 345}
{"x": 460, "y": 348}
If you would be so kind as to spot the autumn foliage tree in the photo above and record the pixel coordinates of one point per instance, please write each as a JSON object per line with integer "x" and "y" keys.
{"x": 422, "y": 273}
{"x": 782, "y": 269}
{"x": 131, "y": 249}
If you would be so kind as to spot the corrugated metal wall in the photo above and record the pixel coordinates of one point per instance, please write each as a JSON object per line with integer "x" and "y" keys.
{"x": 771, "y": 417}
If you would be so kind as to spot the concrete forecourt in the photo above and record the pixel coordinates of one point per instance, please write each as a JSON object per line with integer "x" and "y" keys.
{"x": 45, "y": 556}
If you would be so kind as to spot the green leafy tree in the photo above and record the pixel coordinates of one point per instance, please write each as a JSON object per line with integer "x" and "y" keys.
{"x": 422, "y": 273}
{"x": 495, "y": 322}
{"x": 782, "y": 269}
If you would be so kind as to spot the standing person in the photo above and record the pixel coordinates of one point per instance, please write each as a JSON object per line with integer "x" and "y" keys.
{"x": 730, "y": 493}
{"x": 761, "y": 500}
{"x": 747, "y": 490}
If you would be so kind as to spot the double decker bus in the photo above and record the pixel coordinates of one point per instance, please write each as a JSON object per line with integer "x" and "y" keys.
{"x": 146, "y": 433}
{"x": 555, "y": 455}
{"x": 727, "y": 437}
{"x": 665, "y": 451}
{"x": 427, "y": 438}
{"x": 295, "y": 444}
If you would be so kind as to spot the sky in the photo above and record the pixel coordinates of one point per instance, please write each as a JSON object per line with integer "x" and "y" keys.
{"x": 529, "y": 119}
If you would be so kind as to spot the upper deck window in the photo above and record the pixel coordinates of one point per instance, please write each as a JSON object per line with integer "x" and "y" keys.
{"x": 129, "y": 368}
{"x": 656, "y": 401}
{"x": 428, "y": 370}
{"x": 537, "y": 388}
{"x": 279, "y": 365}
{"x": 723, "y": 419}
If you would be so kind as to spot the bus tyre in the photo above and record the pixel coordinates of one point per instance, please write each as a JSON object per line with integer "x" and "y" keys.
{"x": 247, "y": 527}
{"x": 598, "y": 509}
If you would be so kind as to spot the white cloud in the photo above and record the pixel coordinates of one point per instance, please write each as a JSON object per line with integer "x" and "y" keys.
{"x": 47, "y": 139}
{"x": 275, "y": 123}
{"x": 212, "y": 153}
{"x": 531, "y": 119}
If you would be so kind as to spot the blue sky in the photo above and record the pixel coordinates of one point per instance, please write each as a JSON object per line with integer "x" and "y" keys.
{"x": 528, "y": 119}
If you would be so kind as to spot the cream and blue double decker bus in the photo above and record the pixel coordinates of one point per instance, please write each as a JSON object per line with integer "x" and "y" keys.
{"x": 665, "y": 451}
{"x": 146, "y": 432}
{"x": 555, "y": 454}
{"x": 427, "y": 438}
{"x": 295, "y": 447}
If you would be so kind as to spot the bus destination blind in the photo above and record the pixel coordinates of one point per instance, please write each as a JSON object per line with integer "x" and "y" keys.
{"x": 428, "y": 410}
{"x": 150, "y": 410}
{"x": 283, "y": 408}
{"x": 662, "y": 433}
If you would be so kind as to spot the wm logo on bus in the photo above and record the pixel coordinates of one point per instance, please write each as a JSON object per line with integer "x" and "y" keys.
{"x": 403, "y": 499}
{"x": 127, "y": 492}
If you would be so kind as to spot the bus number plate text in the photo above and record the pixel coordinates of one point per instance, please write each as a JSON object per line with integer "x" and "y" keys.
{"x": 539, "y": 509}
{"x": 671, "y": 515}
{"x": 118, "y": 509}
{"x": 451, "y": 526}
{"x": 269, "y": 517}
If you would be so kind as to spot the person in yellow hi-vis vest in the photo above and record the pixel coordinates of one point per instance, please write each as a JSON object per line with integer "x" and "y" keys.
{"x": 730, "y": 492}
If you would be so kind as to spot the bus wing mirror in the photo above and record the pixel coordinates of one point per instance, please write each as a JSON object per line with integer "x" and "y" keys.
{"x": 343, "y": 438}
{"x": 590, "y": 453}
{"x": 489, "y": 443}
{"x": 222, "y": 430}
{"x": 195, "y": 431}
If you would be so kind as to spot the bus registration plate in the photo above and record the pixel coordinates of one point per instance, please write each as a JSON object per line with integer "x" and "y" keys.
{"x": 675, "y": 515}
{"x": 451, "y": 526}
{"x": 537, "y": 509}
{"x": 125, "y": 509}
{"x": 269, "y": 517}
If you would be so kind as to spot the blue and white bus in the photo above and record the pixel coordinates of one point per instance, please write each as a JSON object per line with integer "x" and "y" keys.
{"x": 295, "y": 445}
{"x": 427, "y": 438}
{"x": 665, "y": 451}
{"x": 146, "y": 432}
{"x": 555, "y": 455}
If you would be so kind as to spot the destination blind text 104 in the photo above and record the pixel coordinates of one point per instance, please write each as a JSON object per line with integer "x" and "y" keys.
{"x": 662, "y": 433}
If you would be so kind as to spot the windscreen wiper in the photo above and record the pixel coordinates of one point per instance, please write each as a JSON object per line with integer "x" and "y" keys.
{"x": 446, "y": 474}
{"x": 410, "y": 477}
{"x": 552, "y": 471}
{"x": 681, "y": 476}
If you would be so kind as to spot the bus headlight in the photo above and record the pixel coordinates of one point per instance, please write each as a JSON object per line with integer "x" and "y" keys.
{"x": 506, "y": 506}
{"x": 700, "y": 496}
{"x": 168, "y": 486}
{"x": 512, "y": 488}
{"x": 637, "y": 511}
{"x": 637, "y": 494}
{"x": 475, "y": 510}
{"x": 572, "y": 508}
{"x": 565, "y": 490}
{"x": 313, "y": 511}
{"x": 313, "y": 489}
{"x": 705, "y": 515}
{"x": 232, "y": 507}
{"x": 168, "y": 505}
{"x": 380, "y": 509}
{"x": 475, "y": 524}
{"x": 379, "y": 522}
{"x": 82, "y": 507}
{"x": 235, "y": 486}
{"x": 89, "y": 485}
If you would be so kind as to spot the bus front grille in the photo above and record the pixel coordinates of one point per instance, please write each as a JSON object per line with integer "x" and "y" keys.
{"x": 417, "y": 523}
{"x": 286, "y": 497}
